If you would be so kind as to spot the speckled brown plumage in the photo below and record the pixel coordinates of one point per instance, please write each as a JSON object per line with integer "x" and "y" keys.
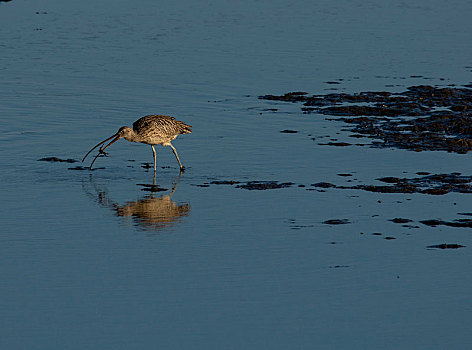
{"x": 153, "y": 130}
{"x": 157, "y": 129}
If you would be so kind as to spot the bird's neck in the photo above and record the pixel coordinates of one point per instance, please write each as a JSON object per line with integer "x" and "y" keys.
{"x": 133, "y": 137}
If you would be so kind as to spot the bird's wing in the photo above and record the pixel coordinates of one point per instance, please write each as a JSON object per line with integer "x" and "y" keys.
{"x": 161, "y": 125}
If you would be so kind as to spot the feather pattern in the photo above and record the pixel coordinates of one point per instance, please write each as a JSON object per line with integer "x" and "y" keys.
{"x": 157, "y": 129}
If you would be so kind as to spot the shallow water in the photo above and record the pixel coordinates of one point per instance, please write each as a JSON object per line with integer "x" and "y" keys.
{"x": 89, "y": 260}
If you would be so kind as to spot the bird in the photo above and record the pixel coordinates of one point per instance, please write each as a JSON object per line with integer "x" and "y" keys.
{"x": 154, "y": 129}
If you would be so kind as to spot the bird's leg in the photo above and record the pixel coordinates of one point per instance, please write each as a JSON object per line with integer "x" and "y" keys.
{"x": 155, "y": 158}
{"x": 182, "y": 168}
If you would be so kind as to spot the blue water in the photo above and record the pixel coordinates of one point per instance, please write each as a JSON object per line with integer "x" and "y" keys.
{"x": 90, "y": 261}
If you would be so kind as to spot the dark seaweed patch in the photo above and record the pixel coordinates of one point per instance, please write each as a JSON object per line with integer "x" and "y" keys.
{"x": 437, "y": 184}
{"x": 421, "y": 118}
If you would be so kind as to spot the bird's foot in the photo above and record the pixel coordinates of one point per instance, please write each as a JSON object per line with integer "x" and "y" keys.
{"x": 182, "y": 169}
{"x": 102, "y": 152}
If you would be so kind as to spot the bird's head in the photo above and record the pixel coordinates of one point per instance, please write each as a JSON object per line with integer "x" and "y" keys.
{"x": 125, "y": 132}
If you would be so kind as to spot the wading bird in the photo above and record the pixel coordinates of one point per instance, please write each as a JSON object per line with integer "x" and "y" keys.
{"x": 151, "y": 130}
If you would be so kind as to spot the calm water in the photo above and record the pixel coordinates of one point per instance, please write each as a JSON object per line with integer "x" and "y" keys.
{"x": 90, "y": 261}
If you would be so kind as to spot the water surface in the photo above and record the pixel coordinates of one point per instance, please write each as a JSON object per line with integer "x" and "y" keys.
{"x": 89, "y": 260}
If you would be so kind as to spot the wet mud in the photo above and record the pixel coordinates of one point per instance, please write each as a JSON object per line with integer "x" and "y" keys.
{"x": 422, "y": 118}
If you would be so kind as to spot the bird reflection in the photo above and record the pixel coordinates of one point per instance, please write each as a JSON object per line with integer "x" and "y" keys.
{"x": 154, "y": 213}
{"x": 151, "y": 213}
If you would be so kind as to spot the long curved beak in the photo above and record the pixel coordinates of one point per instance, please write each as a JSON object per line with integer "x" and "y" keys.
{"x": 116, "y": 136}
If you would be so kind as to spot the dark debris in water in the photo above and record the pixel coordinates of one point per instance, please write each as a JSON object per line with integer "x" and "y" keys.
{"x": 337, "y": 144}
{"x": 446, "y": 246}
{"x": 249, "y": 185}
{"x": 324, "y": 185}
{"x": 152, "y": 188}
{"x": 437, "y": 184}
{"x": 465, "y": 223}
{"x": 264, "y": 185}
{"x": 336, "y": 222}
{"x": 83, "y": 168}
{"x": 294, "y": 226}
{"x": 421, "y": 118}
{"x": 400, "y": 220}
{"x": 56, "y": 159}
{"x": 225, "y": 182}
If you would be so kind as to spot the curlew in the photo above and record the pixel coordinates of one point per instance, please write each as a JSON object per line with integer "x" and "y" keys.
{"x": 151, "y": 130}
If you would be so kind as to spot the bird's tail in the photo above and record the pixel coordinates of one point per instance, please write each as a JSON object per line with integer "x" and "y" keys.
{"x": 185, "y": 129}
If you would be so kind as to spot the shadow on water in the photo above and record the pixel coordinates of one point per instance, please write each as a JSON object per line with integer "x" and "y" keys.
{"x": 150, "y": 213}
